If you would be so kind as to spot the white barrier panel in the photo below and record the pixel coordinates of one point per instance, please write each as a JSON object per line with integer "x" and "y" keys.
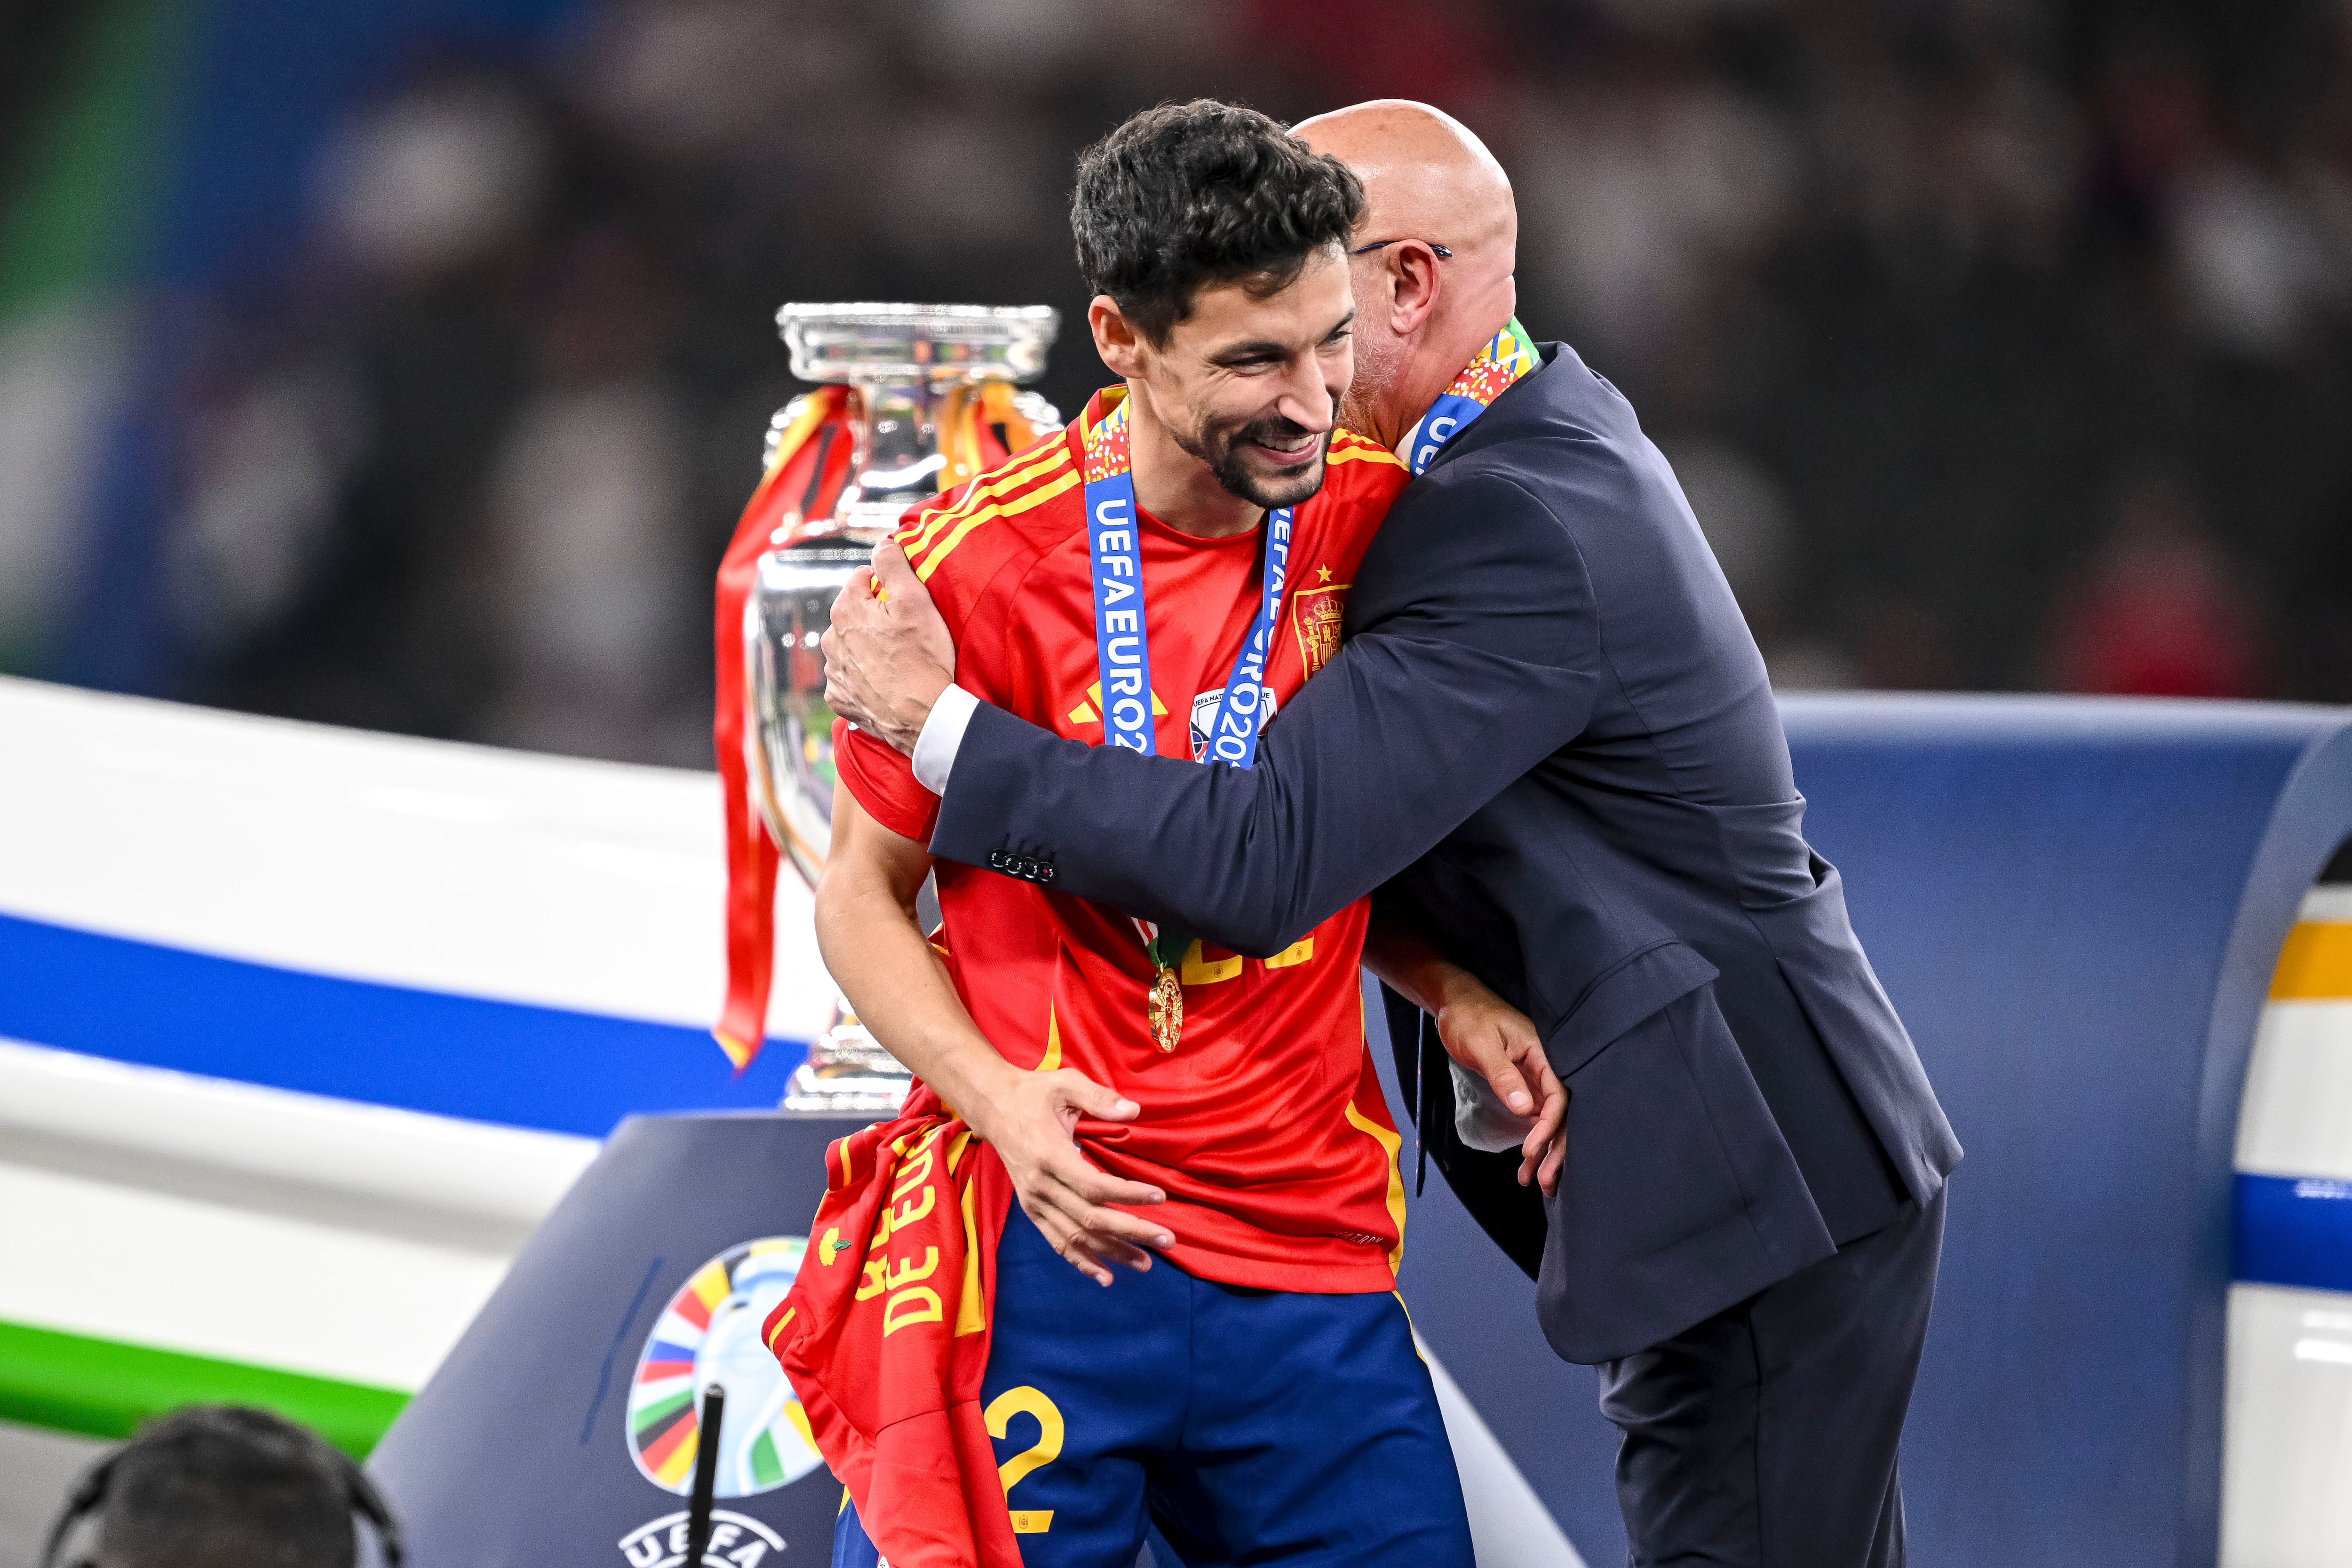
{"x": 549, "y": 881}
{"x": 311, "y": 1028}
{"x": 2287, "y": 1463}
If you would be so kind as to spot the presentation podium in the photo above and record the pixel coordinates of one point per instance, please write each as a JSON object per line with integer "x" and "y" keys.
{"x": 562, "y": 1428}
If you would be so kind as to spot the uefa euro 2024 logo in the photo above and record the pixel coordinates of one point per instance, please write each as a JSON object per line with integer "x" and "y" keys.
{"x": 709, "y": 1332}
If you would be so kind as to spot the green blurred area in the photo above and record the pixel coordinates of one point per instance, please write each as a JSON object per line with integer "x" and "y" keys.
{"x": 102, "y": 1388}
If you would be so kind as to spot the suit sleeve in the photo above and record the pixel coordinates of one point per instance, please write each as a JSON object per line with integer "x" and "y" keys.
{"x": 1473, "y": 656}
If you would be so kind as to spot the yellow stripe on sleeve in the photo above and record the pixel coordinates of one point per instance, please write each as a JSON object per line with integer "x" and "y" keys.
{"x": 983, "y": 493}
{"x": 989, "y": 487}
{"x": 1036, "y": 497}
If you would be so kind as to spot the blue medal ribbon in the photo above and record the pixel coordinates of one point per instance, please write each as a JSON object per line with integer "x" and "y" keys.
{"x": 1123, "y": 658}
{"x": 1115, "y": 548}
{"x": 1122, "y": 640}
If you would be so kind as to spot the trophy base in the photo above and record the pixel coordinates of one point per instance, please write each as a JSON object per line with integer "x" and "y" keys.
{"x": 847, "y": 1076}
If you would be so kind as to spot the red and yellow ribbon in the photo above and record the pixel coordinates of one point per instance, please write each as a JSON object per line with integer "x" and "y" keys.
{"x": 979, "y": 428}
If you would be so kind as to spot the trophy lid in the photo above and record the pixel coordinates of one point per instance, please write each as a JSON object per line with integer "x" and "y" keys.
{"x": 866, "y": 342}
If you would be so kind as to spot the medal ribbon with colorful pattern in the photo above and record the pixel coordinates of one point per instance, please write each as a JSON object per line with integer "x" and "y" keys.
{"x": 1508, "y": 355}
{"x": 1123, "y": 653}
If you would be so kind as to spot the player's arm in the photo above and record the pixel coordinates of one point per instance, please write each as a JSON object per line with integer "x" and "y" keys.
{"x": 1473, "y": 656}
{"x": 874, "y": 947}
{"x": 1480, "y": 1031}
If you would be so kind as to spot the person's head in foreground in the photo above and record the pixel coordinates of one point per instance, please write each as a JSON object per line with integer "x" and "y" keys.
{"x": 1216, "y": 243}
{"x": 222, "y": 1487}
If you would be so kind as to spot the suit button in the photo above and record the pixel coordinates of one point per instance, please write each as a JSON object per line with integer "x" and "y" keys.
{"x": 1045, "y": 871}
{"x": 997, "y": 858}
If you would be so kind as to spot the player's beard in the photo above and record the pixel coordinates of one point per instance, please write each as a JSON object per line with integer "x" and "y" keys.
{"x": 1221, "y": 449}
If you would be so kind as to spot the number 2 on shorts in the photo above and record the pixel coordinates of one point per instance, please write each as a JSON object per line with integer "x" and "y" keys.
{"x": 1026, "y": 1400}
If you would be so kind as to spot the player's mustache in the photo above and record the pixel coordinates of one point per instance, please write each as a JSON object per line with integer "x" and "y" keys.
{"x": 1266, "y": 431}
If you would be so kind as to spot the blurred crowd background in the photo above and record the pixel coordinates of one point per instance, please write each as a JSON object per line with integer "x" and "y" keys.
{"x": 405, "y": 365}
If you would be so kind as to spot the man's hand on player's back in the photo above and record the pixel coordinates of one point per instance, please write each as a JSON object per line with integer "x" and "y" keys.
{"x": 888, "y": 654}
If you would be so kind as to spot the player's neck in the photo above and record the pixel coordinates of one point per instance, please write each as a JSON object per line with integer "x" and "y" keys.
{"x": 1177, "y": 487}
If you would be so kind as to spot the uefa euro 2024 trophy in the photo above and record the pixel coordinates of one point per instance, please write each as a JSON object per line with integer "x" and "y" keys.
{"x": 912, "y": 371}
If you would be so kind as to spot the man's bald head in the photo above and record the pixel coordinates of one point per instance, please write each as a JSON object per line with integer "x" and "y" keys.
{"x": 1425, "y": 175}
{"x": 1427, "y": 179}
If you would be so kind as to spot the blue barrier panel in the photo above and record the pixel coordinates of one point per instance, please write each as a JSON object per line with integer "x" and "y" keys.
{"x": 2076, "y": 905}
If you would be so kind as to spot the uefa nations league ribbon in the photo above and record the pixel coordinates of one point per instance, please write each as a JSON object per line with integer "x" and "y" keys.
{"x": 1123, "y": 652}
{"x": 1508, "y": 355}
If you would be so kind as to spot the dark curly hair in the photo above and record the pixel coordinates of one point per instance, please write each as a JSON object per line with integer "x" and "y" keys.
{"x": 1190, "y": 193}
{"x": 226, "y": 1487}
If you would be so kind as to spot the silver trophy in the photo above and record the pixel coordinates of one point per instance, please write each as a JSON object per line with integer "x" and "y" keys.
{"x": 903, "y": 364}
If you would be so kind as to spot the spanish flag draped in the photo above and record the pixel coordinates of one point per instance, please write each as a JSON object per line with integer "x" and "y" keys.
{"x": 886, "y": 1335}
{"x": 979, "y": 428}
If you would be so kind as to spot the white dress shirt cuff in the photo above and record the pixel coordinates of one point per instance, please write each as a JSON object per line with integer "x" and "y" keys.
{"x": 936, "y": 748}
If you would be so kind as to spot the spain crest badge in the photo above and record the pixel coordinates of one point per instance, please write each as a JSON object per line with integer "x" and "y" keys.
{"x": 1314, "y": 616}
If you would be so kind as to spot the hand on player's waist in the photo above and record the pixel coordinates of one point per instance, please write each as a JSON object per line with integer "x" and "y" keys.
{"x": 1031, "y": 1119}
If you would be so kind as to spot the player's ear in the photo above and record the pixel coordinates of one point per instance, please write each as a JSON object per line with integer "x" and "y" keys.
{"x": 1115, "y": 338}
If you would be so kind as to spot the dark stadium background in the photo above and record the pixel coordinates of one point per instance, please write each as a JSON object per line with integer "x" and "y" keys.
{"x": 404, "y": 366}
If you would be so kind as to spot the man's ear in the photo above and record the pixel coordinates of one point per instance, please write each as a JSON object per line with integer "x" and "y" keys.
{"x": 1115, "y": 339}
{"x": 1414, "y": 282}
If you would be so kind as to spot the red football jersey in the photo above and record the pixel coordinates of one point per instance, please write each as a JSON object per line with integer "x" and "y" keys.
{"x": 1266, "y": 1127}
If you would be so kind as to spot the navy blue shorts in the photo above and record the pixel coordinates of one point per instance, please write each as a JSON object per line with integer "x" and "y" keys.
{"x": 1270, "y": 1425}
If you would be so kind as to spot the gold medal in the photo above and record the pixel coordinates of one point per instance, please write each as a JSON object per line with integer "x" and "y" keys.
{"x": 1165, "y": 947}
{"x": 1166, "y": 1009}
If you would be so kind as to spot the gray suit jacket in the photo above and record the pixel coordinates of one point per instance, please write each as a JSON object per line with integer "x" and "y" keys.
{"x": 1549, "y": 735}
